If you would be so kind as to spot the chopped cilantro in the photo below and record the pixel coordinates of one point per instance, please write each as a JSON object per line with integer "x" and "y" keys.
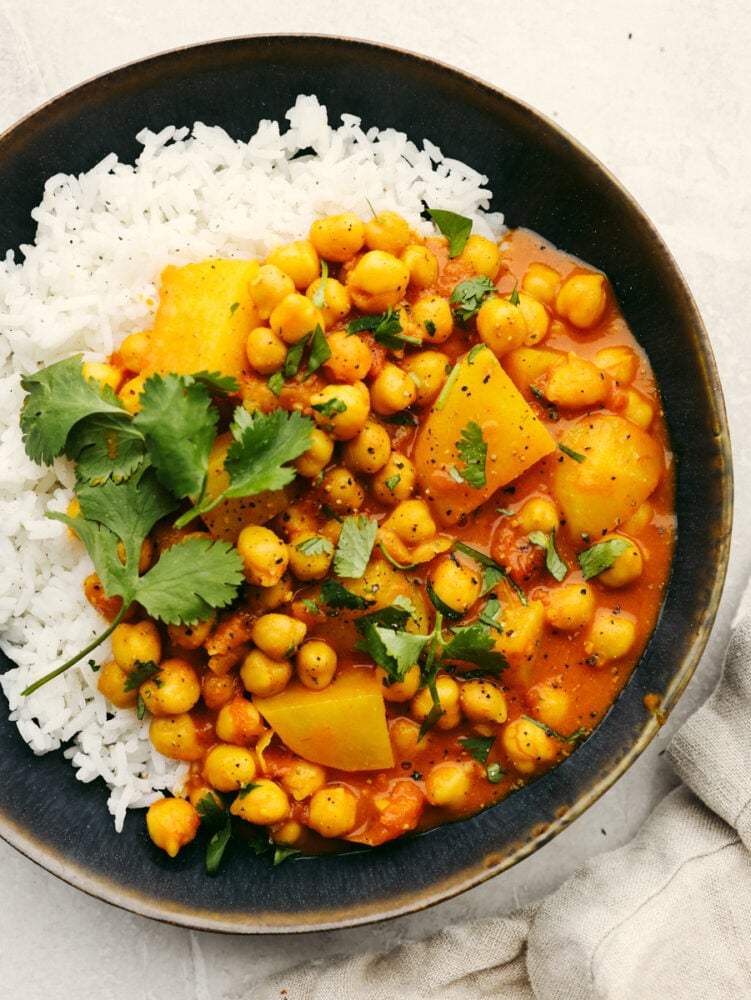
{"x": 553, "y": 562}
{"x": 549, "y": 731}
{"x": 514, "y": 296}
{"x": 311, "y": 606}
{"x": 319, "y": 296}
{"x": 337, "y": 596}
{"x": 601, "y": 556}
{"x": 443, "y": 396}
{"x": 386, "y": 328}
{"x": 276, "y": 383}
{"x": 473, "y": 451}
{"x": 571, "y": 454}
{"x": 393, "y": 481}
{"x": 320, "y": 352}
{"x": 469, "y": 295}
{"x": 478, "y": 747}
{"x": 216, "y": 848}
{"x": 294, "y": 357}
{"x": 330, "y": 407}
{"x": 233, "y": 308}
{"x": 318, "y": 545}
{"x": 456, "y": 228}
{"x": 142, "y": 673}
{"x": 355, "y": 544}
{"x": 494, "y": 773}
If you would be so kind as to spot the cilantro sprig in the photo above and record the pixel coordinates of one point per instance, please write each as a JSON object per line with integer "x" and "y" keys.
{"x": 601, "y": 556}
{"x": 469, "y": 295}
{"x": 386, "y": 328}
{"x": 456, "y": 228}
{"x": 473, "y": 450}
{"x": 355, "y": 545}
{"x": 553, "y": 562}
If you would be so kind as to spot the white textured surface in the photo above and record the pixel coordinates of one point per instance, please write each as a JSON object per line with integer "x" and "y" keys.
{"x": 660, "y": 92}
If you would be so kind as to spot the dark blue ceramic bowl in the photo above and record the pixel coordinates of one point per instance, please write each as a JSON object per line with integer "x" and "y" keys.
{"x": 542, "y": 180}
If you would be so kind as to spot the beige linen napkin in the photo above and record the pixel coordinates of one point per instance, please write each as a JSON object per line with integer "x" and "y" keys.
{"x": 667, "y": 916}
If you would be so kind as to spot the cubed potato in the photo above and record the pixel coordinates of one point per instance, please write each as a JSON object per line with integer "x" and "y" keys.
{"x": 342, "y": 726}
{"x": 204, "y": 316}
{"x": 621, "y": 466}
{"x": 482, "y": 393}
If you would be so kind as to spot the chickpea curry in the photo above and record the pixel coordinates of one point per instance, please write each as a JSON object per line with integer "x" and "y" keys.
{"x": 421, "y": 526}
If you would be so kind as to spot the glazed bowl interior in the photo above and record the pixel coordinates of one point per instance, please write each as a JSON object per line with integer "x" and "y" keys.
{"x": 541, "y": 180}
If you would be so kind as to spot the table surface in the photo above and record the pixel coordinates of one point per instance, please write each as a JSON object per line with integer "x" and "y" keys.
{"x": 660, "y": 93}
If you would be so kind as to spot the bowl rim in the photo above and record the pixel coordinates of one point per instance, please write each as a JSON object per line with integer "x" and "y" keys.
{"x": 109, "y": 891}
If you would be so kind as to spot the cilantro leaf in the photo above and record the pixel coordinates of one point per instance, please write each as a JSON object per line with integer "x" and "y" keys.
{"x": 212, "y": 815}
{"x": 179, "y": 421}
{"x": 317, "y": 545}
{"x": 105, "y": 446}
{"x": 514, "y": 296}
{"x": 394, "y": 617}
{"x": 491, "y": 571}
{"x": 456, "y": 228}
{"x": 319, "y": 296}
{"x": 320, "y": 352}
{"x": 571, "y": 453}
{"x": 445, "y": 609}
{"x": 386, "y": 328}
{"x": 283, "y": 853}
{"x": 469, "y": 295}
{"x": 143, "y": 672}
{"x": 216, "y": 383}
{"x": 330, "y": 407}
{"x": 293, "y": 360}
{"x": 355, "y": 544}
{"x": 395, "y": 651}
{"x": 601, "y": 556}
{"x": 549, "y": 731}
{"x": 58, "y": 397}
{"x": 336, "y": 596}
{"x": 478, "y": 747}
{"x": 216, "y": 848}
{"x": 553, "y": 562}
{"x": 276, "y": 383}
{"x": 190, "y": 580}
{"x": 473, "y": 451}
{"x": 494, "y": 774}
{"x": 443, "y": 395}
{"x": 474, "y": 644}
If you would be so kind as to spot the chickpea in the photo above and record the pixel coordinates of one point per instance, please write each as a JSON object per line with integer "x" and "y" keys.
{"x": 268, "y": 288}
{"x": 338, "y": 237}
{"x": 430, "y": 369}
{"x": 432, "y": 314}
{"x": 130, "y": 394}
{"x": 448, "y": 697}
{"x": 176, "y": 737}
{"x": 549, "y": 702}
{"x": 639, "y": 519}
{"x": 387, "y": 231}
{"x": 350, "y": 359}
{"x": 265, "y": 556}
{"x": 264, "y": 804}
{"x": 421, "y": 264}
{"x": 316, "y": 664}
{"x": 392, "y": 390}
{"x": 136, "y": 642}
{"x": 134, "y": 351}
{"x": 570, "y": 607}
{"x": 310, "y": 556}
{"x": 265, "y": 350}
{"x": 112, "y": 683}
{"x": 337, "y": 303}
{"x": 501, "y": 325}
{"x": 260, "y": 599}
{"x": 333, "y": 811}
{"x": 455, "y": 584}
{"x": 228, "y": 768}
{"x": 447, "y": 784}
{"x": 279, "y": 636}
{"x": 303, "y": 779}
{"x": 482, "y": 701}
{"x": 538, "y": 514}
{"x": 541, "y": 281}
{"x": 399, "y": 691}
{"x": 369, "y": 450}
{"x": 536, "y": 317}
{"x": 620, "y": 362}
{"x": 411, "y": 521}
{"x": 405, "y": 737}
{"x": 528, "y": 745}
{"x": 342, "y": 491}
{"x": 313, "y": 461}
{"x": 396, "y": 481}
{"x": 264, "y": 676}
{"x": 239, "y": 722}
{"x": 172, "y": 823}
{"x": 611, "y": 636}
{"x": 638, "y": 409}
{"x": 296, "y": 518}
{"x": 198, "y": 793}
{"x": 299, "y": 260}
{"x": 289, "y": 833}
{"x": 576, "y": 382}
{"x": 295, "y": 317}
{"x": 174, "y": 690}
{"x": 343, "y": 410}
{"x": 582, "y": 300}
{"x": 190, "y": 636}
{"x": 627, "y": 566}
{"x": 482, "y": 255}
{"x": 377, "y": 282}
{"x": 219, "y": 689}
{"x": 106, "y": 375}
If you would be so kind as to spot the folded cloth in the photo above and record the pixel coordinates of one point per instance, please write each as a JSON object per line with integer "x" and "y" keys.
{"x": 667, "y": 916}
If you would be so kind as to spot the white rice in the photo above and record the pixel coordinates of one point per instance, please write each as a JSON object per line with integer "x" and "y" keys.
{"x": 89, "y": 280}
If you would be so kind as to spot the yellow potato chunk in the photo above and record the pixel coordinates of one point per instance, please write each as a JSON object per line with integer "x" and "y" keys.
{"x": 342, "y": 726}
{"x": 621, "y": 466}
{"x": 479, "y": 392}
{"x": 204, "y": 317}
